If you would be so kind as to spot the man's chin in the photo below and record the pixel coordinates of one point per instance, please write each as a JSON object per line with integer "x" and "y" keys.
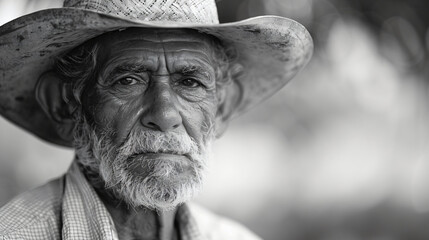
{"x": 160, "y": 183}
{"x": 160, "y": 193}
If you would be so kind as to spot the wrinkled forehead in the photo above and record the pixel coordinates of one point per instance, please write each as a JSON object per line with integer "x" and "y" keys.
{"x": 156, "y": 38}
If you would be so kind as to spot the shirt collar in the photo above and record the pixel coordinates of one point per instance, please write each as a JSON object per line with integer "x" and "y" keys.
{"x": 83, "y": 212}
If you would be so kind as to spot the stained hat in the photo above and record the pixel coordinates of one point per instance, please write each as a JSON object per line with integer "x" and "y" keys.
{"x": 271, "y": 49}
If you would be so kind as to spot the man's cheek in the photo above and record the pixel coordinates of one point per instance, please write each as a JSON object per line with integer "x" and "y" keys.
{"x": 206, "y": 123}
{"x": 127, "y": 118}
{"x": 109, "y": 118}
{"x": 208, "y": 110}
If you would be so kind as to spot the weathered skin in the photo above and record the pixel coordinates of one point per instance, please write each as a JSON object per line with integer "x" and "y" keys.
{"x": 158, "y": 95}
{"x": 145, "y": 83}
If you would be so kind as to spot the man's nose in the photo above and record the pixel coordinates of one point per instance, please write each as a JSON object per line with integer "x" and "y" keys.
{"x": 162, "y": 113}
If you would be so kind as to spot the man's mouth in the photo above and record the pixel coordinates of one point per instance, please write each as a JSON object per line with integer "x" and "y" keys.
{"x": 167, "y": 155}
{"x": 157, "y": 152}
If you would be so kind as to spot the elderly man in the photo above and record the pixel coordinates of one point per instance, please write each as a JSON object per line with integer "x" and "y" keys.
{"x": 140, "y": 89}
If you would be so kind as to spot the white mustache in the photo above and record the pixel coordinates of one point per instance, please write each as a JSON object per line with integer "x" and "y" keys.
{"x": 158, "y": 142}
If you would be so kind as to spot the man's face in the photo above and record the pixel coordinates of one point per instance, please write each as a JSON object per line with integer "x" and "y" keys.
{"x": 149, "y": 114}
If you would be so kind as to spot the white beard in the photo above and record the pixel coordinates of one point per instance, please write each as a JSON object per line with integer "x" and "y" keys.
{"x": 164, "y": 186}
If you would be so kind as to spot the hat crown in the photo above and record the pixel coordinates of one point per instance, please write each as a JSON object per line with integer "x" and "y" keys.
{"x": 186, "y": 11}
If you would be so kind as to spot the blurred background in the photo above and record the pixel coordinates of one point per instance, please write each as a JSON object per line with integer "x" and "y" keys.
{"x": 339, "y": 154}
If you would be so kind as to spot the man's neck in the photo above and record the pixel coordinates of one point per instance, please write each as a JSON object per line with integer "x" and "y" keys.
{"x": 135, "y": 222}
{"x": 142, "y": 223}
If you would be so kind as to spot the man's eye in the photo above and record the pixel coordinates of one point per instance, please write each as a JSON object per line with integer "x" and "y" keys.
{"x": 191, "y": 83}
{"x": 127, "y": 81}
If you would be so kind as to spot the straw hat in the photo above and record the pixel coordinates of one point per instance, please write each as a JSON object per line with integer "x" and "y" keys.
{"x": 272, "y": 49}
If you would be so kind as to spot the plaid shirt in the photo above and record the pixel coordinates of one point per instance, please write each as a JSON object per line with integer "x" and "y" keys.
{"x": 68, "y": 208}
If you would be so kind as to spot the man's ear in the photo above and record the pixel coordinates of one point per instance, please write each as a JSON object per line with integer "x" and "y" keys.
{"x": 52, "y": 96}
{"x": 229, "y": 98}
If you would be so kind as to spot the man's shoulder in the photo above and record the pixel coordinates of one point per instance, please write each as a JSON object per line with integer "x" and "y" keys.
{"x": 214, "y": 227}
{"x": 35, "y": 210}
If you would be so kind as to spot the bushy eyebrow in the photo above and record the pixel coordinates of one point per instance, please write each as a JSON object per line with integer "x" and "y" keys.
{"x": 193, "y": 69}
{"x": 129, "y": 67}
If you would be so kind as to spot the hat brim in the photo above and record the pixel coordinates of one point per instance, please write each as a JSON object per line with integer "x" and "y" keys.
{"x": 271, "y": 49}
